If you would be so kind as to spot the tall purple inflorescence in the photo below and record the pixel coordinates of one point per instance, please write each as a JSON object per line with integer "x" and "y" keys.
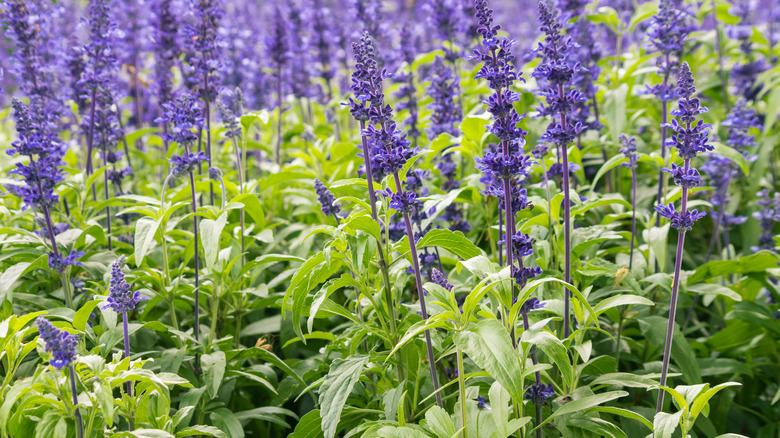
{"x": 690, "y": 138}
{"x": 166, "y": 48}
{"x": 385, "y": 151}
{"x": 62, "y": 345}
{"x": 667, "y": 34}
{"x": 327, "y": 200}
{"x": 629, "y": 151}
{"x": 121, "y": 299}
{"x": 406, "y": 94}
{"x": 557, "y": 72}
{"x": 768, "y": 216}
{"x": 442, "y": 90}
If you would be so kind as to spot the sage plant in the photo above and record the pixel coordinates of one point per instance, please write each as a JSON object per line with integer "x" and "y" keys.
{"x": 184, "y": 116}
{"x": 122, "y": 300}
{"x": 690, "y": 138}
{"x": 388, "y": 152}
{"x": 557, "y": 73}
{"x": 668, "y": 33}
{"x": 62, "y": 346}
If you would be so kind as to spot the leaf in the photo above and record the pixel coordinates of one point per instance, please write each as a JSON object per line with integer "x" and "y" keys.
{"x": 475, "y": 126}
{"x": 621, "y": 300}
{"x": 335, "y": 389}
{"x": 759, "y": 262}
{"x": 665, "y": 424}
{"x": 145, "y": 229}
{"x": 701, "y": 401}
{"x": 201, "y": 430}
{"x": 366, "y": 224}
{"x": 583, "y": 404}
{"x": 613, "y": 162}
{"x": 214, "y": 370}
{"x": 732, "y": 154}
{"x": 440, "y": 423}
{"x": 227, "y": 422}
{"x": 454, "y": 242}
{"x": 210, "y": 232}
{"x": 624, "y": 413}
{"x": 487, "y": 343}
{"x": 555, "y": 349}
{"x": 252, "y": 207}
{"x": 715, "y": 289}
{"x": 81, "y": 318}
{"x": 310, "y": 426}
{"x": 400, "y": 432}
{"x": 615, "y": 105}
{"x": 624, "y": 379}
{"x": 325, "y": 291}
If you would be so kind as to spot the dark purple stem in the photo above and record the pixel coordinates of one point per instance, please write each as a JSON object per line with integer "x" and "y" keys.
{"x": 538, "y": 376}
{"x": 633, "y": 218}
{"x": 127, "y": 355}
{"x": 566, "y": 226}
{"x": 421, "y": 296}
{"x": 673, "y": 306}
{"x": 207, "y": 111}
{"x": 75, "y": 399}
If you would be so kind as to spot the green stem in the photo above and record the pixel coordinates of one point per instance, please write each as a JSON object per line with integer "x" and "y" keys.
{"x": 462, "y": 388}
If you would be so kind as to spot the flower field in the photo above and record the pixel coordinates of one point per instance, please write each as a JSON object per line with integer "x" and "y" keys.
{"x": 390, "y": 219}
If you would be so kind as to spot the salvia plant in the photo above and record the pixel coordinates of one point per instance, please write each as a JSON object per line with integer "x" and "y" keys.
{"x": 369, "y": 218}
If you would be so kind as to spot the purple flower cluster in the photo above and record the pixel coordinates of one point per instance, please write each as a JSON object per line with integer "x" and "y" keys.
{"x": 539, "y": 393}
{"x": 327, "y": 200}
{"x": 58, "y": 262}
{"x": 529, "y": 305}
{"x": 442, "y": 90}
{"x": 667, "y": 34}
{"x": 37, "y": 142}
{"x": 199, "y": 34}
{"x": 121, "y": 298}
{"x": 680, "y": 220}
{"x": 166, "y": 48}
{"x": 439, "y": 278}
{"x": 186, "y": 163}
{"x": 768, "y": 216}
{"x": 403, "y": 201}
{"x": 184, "y": 115}
{"x": 628, "y": 150}
{"x": 406, "y": 94}
{"x": 62, "y": 345}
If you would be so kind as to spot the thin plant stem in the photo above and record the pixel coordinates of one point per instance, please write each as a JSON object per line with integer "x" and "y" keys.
{"x": 207, "y": 113}
{"x": 462, "y": 390}
{"x": 633, "y": 219}
{"x": 537, "y": 377}
{"x": 75, "y": 399}
{"x": 673, "y": 305}
{"x": 420, "y": 295}
{"x": 105, "y": 193}
{"x": 131, "y": 419}
{"x": 566, "y": 225}
{"x": 240, "y": 192}
{"x": 279, "y": 122}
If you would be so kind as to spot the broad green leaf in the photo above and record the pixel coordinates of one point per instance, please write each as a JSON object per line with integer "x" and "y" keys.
{"x": 210, "y": 232}
{"x": 201, "y": 430}
{"x": 400, "y": 432}
{"x": 214, "y": 365}
{"x": 583, "y": 404}
{"x": 703, "y": 399}
{"x": 487, "y": 343}
{"x": 145, "y": 229}
{"x": 665, "y": 424}
{"x": 454, "y": 242}
{"x": 310, "y": 426}
{"x": 226, "y": 421}
{"x": 440, "y": 423}
{"x": 335, "y": 389}
{"x": 624, "y": 379}
{"x": 732, "y": 154}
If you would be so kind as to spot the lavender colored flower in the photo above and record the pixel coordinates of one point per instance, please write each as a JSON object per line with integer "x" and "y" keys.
{"x": 442, "y": 90}
{"x": 690, "y": 139}
{"x": 667, "y": 34}
{"x": 186, "y": 163}
{"x": 739, "y": 121}
{"x": 300, "y": 56}
{"x": 323, "y": 36}
{"x": 439, "y": 278}
{"x": 407, "y": 93}
{"x": 166, "y": 48}
{"x": 768, "y": 215}
{"x": 530, "y": 304}
{"x": 628, "y": 150}
{"x": 230, "y": 108}
{"x": 403, "y": 201}
{"x": 200, "y": 44}
{"x": 36, "y": 141}
{"x": 326, "y": 198}
{"x": 481, "y": 403}
{"x": 121, "y": 298}
{"x": 58, "y": 262}
{"x": 62, "y": 345}
{"x": 448, "y": 171}
{"x": 184, "y": 115}
{"x": 539, "y": 393}
{"x": 682, "y": 221}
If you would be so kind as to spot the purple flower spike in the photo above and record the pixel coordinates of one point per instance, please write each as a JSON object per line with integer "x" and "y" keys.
{"x": 439, "y": 278}
{"x": 120, "y": 298}
{"x": 59, "y": 263}
{"x": 326, "y": 198}
{"x": 539, "y": 393}
{"x": 62, "y": 345}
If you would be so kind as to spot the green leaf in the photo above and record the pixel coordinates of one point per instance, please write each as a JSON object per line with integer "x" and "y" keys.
{"x": 555, "y": 349}
{"x": 732, "y": 154}
{"x": 454, "y": 242}
{"x": 325, "y": 291}
{"x": 366, "y": 224}
{"x": 310, "y": 426}
{"x": 440, "y": 423}
{"x": 615, "y": 107}
{"x": 210, "y": 232}
{"x": 624, "y": 413}
{"x": 105, "y": 400}
{"x": 214, "y": 365}
{"x": 201, "y": 430}
{"x": 642, "y": 12}
{"x": 665, "y": 424}
{"x": 400, "y": 432}
{"x": 487, "y": 343}
{"x": 701, "y": 401}
{"x": 335, "y": 389}
{"x": 145, "y": 229}
{"x": 252, "y": 207}
{"x": 624, "y": 379}
{"x": 227, "y": 422}
{"x": 714, "y": 289}
{"x": 621, "y": 300}
{"x": 613, "y": 162}
{"x": 81, "y": 318}
{"x": 759, "y": 262}
{"x": 583, "y": 404}
{"x": 475, "y": 126}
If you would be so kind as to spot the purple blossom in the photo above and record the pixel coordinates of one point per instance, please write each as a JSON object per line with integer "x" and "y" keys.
{"x": 680, "y": 221}
{"x": 121, "y": 298}
{"x": 199, "y": 34}
{"x": 529, "y": 305}
{"x": 59, "y": 263}
{"x": 327, "y": 200}
{"x": 403, "y": 202}
{"x": 442, "y": 90}
{"x": 186, "y": 163}
{"x": 690, "y": 139}
{"x": 62, "y": 345}
{"x": 768, "y": 215}
{"x": 185, "y": 116}
{"x": 628, "y": 150}
{"x": 538, "y": 393}
{"x": 166, "y": 48}
{"x": 439, "y": 278}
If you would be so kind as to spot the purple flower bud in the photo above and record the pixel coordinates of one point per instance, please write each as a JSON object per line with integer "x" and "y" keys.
{"x": 62, "y": 345}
